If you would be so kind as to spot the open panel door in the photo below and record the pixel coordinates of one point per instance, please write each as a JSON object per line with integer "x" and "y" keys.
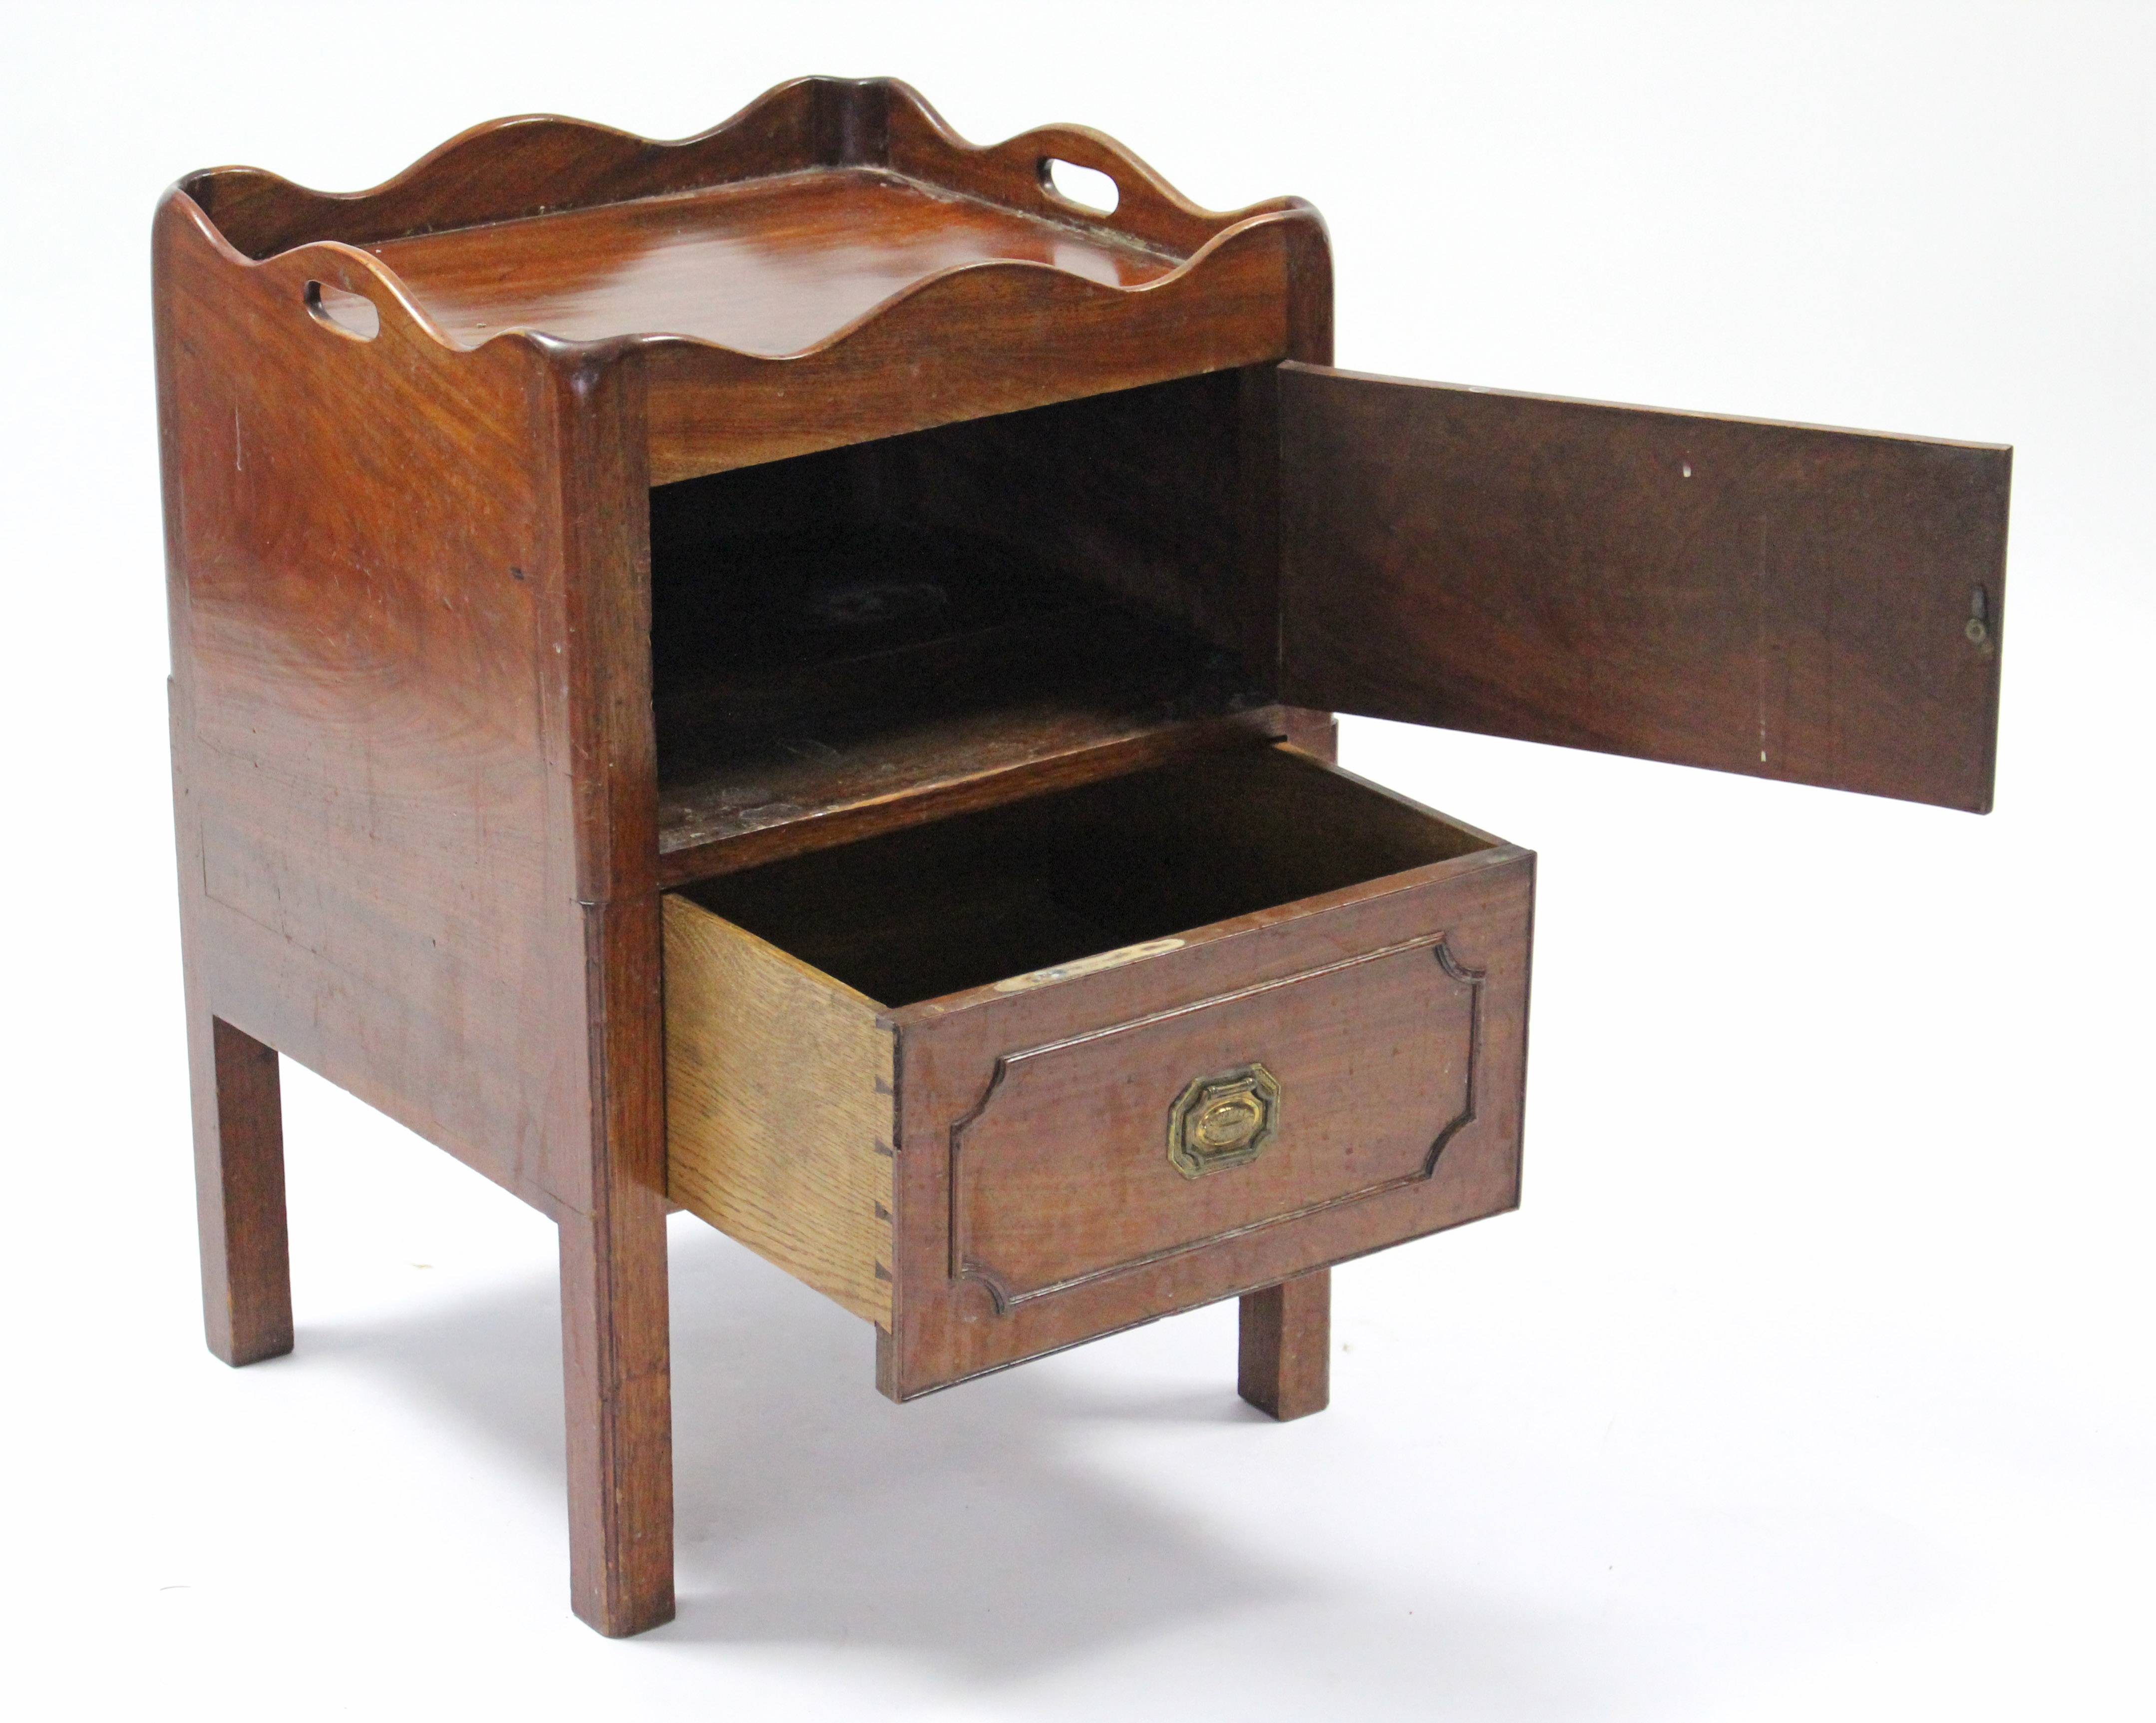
{"x": 1782, "y": 600}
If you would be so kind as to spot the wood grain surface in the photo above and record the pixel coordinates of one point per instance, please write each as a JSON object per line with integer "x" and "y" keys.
{"x": 770, "y": 267}
{"x": 1372, "y": 954}
{"x": 414, "y": 781}
{"x": 950, "y": 1326}
{"x": 780, "y": 1115}
{"x": 383, "y": 872}
{"x": 1059, "y": 1177}
{"x": 534, "y": 164}
{"x": 1781, "y": 601}
{"x": 240, "y": 1189}
{"x": 1284, "y": 1365}
{"x": 713, "y": 410}
{"x": 487, "y": 493}
{"x": 788, "y": 269}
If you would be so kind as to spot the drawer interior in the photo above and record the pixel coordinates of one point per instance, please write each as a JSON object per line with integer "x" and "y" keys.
{"x": 803, "y": 997}
{"x": 936, "y": 909}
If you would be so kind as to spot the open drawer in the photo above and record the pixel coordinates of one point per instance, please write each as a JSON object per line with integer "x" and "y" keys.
{"x": 1016, "y": 1079}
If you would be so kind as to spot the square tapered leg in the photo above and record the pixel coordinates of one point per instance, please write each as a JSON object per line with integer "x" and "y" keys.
{"x": 620, "y": 1416}
{"x": 240, "y": 1192}
{"x": 1286, "y": 1346}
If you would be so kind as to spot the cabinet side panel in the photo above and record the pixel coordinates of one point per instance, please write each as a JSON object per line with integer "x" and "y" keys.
{"x": 778, "y": 1109}
{"x": 358, "y": 534}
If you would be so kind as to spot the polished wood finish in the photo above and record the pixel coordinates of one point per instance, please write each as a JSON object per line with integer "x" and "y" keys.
{"x": 239, "y": 1191}
{"x": 413, "y": 721}
{"x": 618, "y": 1391}
{"x": 1057, "y": 971}
{"x": 822, "y": 515}
{"x": 771, "y": 267}
{"x": 982, "y": 1074}
{"x": 1778, "y": 600}
{"x": 713, "y": 410}
{"x": 785, "y": 269}
{"x": 372, "y": 840}
{"x": 1284, "y": 1365}
{"x": 780, "y": 1114}
{"x": 412, "y": 730}
{"x": 532, "y": 165}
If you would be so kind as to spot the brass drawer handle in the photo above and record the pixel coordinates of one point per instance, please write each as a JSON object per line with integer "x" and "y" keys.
{"x": 1223, "y": 1120}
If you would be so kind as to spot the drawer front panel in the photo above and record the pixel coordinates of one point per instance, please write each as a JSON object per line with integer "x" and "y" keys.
{"x": 1037, "y": 1201}
{"x": 1095, "y": 1154}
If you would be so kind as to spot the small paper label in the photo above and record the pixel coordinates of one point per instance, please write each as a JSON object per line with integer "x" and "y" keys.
{"x": 1087, "y": 966}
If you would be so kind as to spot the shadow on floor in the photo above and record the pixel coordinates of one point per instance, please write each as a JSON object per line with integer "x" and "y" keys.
{"x": 966, "y": 1527}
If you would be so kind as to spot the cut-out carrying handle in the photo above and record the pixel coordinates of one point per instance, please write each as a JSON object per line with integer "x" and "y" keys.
{"x": 1017, "y": 174}
{"x": 1081, "y": 148}
{"x": 353, "y": 316}
{"x": 1145, "y": 205}
{"x": 350, "y": 295}
{"x": 1086, "y": 189}
{"x": 314, "y": 281}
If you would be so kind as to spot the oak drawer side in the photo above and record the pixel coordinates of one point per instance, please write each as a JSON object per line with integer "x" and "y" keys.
{"x": 778, "y": 1107}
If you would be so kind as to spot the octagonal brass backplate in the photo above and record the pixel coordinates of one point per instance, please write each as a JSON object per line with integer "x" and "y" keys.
{"x": 1223, "y": 1120}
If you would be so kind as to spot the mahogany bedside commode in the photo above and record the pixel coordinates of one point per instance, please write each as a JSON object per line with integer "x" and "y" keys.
{"x": 791, "y": 672}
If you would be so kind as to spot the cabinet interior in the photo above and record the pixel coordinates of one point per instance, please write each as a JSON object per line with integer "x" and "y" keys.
{"x": 1069, "y": 584}
{"x": 964, "y": 901}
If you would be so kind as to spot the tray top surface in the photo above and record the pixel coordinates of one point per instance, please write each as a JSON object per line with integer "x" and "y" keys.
{"x": 770, "y": 266}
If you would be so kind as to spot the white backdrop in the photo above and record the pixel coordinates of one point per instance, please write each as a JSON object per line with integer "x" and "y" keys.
{"x": 1814, "y": 1378}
